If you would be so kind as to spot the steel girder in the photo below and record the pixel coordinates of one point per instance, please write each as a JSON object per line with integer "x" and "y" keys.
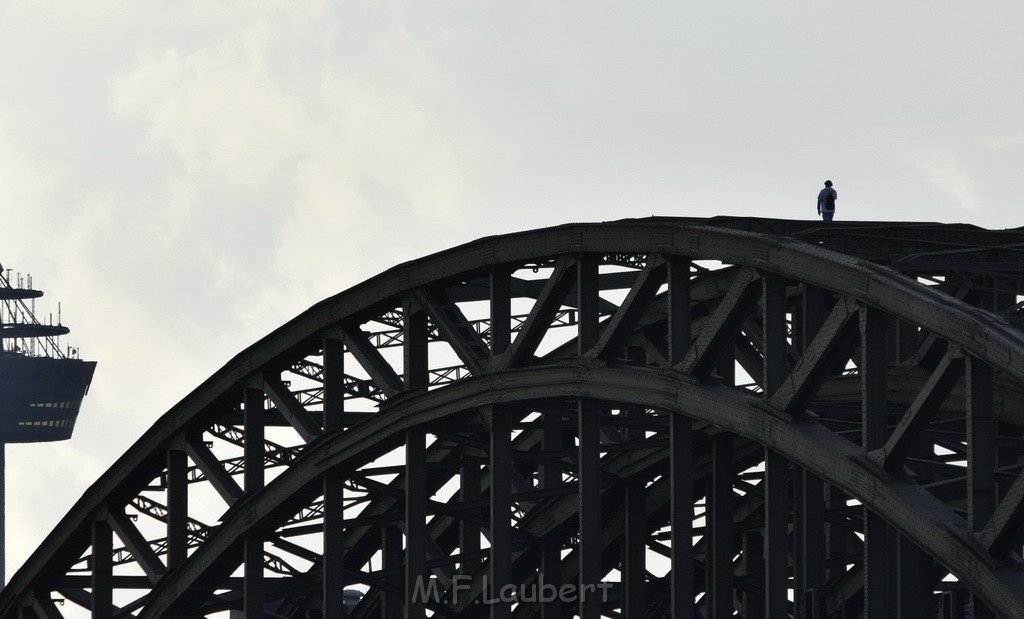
{"x": 662, "y": 417}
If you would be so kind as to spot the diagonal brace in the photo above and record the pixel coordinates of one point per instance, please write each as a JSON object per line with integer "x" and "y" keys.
{"x": 210, "y": 465}
{"x": 550, "y": 299}
{"x": 1004, "y": 527}
{"x": 833, "y": 339}
{"x": 290, "y": 408}
{"x": 136, "y": 544}
{"x": 455, "y": 329}
{"x": 622, "y": 324}
{"x": 935, "y": 391}
{"x": 381, "y": 373}
{"x": 44, "y": 606}
{"x": 722, "y": 324}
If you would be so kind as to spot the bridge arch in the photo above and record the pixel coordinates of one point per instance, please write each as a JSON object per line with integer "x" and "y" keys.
{"x": 717, "y": 415}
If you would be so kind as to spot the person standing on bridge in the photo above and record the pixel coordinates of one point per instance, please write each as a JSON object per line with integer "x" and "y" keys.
{"x": 827, "y": 202}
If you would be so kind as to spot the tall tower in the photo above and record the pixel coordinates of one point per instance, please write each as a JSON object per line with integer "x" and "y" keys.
{"x": 41, "y": 384}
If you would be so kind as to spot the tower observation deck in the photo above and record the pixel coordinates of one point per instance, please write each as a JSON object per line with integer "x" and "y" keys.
{"x": 663, "y": 417}
{"x": 41, "y": 383}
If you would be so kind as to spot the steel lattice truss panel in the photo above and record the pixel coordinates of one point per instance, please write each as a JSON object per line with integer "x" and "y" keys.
{"x": 645, "y": 418}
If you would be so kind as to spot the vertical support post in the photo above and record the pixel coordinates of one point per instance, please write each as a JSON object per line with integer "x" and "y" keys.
{"x": 252, "y": 586}
{"x": 415, "y": 522}
{"x": 253, "y": 422}
{"x": 254, "y": 425}
{"x": 551, "y": 550}
{"x": 415, "y": 330}
{"x": 681, "y": 480}
{"x": 177, "y": 507}
{"x": 469, "y": 531}
{"x": 807, "y": 491}
{"x": 333, "y": 485}
{"x": 753, "y": 602}
{"x": 776, "y": 536}
{"x": 391, "y": 559}
{"x": 635, "y": 551}
{"x": 874, "y": 424}
{"x": 874, "y": 410}
{"x": 720, "y": 548}
{"x": 587, "y": 288}
{"x": 501, "y": 309}
{"x": 334, "y": 546}
{"x": 725, "y": 367}
{"x": 773, "y": 296}
{"x": 589, "y": 549}
{"x": 102, "y": 570}
{"x": 679, "y": 326}
{"x": 334, "y": 384}
{"x": 980, "y": 444}
{"x": 914, "y": 585}
{"x": 501, "y": 509}
{"x": 836, "y": 534}
{"x": 776, "y": 469}
{"x": 876, "y": 565}
{"x": 812, "y": 532}
{"x": 981, "y": 456}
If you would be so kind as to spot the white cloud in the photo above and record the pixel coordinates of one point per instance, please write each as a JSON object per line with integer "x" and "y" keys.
{"x": 377, "y": 169}
{"x": 38, "y": 480}
{"x": 26, "y": 189}
{"x": 144, "y": 366}
{"x": 389, "y": 139}
{"x": 219, "y": 111}
{"x": 181, "y": 194}
{"x": 131, "y": 339}
{"x": 265, "y": 154}
{"x": 943, "y": 170}
{"x": 360, "y": 154}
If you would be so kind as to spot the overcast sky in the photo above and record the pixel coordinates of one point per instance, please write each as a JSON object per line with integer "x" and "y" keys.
{"x": 185, "y": 176}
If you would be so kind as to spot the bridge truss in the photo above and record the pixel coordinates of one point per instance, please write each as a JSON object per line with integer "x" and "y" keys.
{"x": 645, "y": 418}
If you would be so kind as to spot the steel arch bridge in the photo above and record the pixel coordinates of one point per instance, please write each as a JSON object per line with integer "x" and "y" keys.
{"x": 660, "y": 417}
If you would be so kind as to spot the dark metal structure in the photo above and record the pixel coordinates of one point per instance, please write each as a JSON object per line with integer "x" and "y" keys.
{"x": 42, "y": 384}
{"x": 644, "y": 418}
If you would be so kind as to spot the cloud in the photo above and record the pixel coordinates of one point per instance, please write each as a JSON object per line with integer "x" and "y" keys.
{"x": 181, "y": 194}
{"x": 358, "y": 153}
{"x": 219, "y": 110}
{"x": 378, "y": 170}
{"x": 145, "y": 364}
{"x": 139, "y": 333}
{"x": 264, "y": 154}
{"x": 26, "y": 188}
{"x": 944, "y": 170}
{"x": 389, "y": 139}
{"x": 42, "y": 482}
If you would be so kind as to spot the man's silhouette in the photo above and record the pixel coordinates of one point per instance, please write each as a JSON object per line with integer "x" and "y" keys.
{"x": 827, "y": 201}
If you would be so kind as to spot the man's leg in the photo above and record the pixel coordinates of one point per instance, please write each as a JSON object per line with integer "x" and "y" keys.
{"x": 827, "y": 216}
